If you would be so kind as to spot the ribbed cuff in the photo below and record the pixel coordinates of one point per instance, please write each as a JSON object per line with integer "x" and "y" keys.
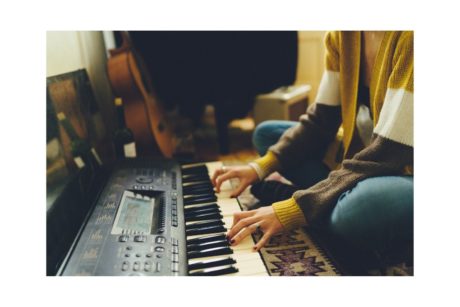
{"x": 266, "y": 165}
{"x": 289, "y": 214}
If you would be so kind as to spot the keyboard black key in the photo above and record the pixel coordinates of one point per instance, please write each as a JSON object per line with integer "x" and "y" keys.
{"x": 215, "y": 271}
{"x": 197, "y": 185}
{"x": 198, "y": 169}
{"x": 207, "y": 245}
{"x": 198, "y": 199}
{"x": 207, "y": 238}
{"x": 194, "y": 183}
{"x": 199, "y": 195}
{"x": 200, "y": 207}
{"x": 194, "y": 178}
{"x": 199, "y": 190}
{"x": 205, "y": 216}
{"x": 211, "y": 264}
{"x": 202, "y": 224}
{"x": 202, "y": 183}
{"x": 205, "y": 230}
{"x": 217, "y": 251}
{"x": 201, "y": 211}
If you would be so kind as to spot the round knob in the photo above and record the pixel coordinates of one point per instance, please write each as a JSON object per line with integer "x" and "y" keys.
{"x": 144, "y": 179}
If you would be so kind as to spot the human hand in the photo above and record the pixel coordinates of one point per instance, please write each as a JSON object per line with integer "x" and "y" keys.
{"x": 246, "y": 222}
{"x": 246, "y": 174}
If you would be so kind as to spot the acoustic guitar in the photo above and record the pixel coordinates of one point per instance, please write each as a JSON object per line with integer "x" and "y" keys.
{"x": 143, "y": 113}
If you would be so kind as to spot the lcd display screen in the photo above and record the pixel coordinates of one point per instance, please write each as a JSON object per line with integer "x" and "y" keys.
{"x": 134, "y": 216}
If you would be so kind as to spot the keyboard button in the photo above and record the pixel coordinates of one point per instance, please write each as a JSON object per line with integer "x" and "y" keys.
{"x": 175, "y": 267}
{"x": 123, "y": 238}
{"x": 160, "y": 240}
{"x": 159, "y": 249}
{"x": 147, "y": 266}
{"x": 125, "y": 266}
{"x": 140, "y": 238}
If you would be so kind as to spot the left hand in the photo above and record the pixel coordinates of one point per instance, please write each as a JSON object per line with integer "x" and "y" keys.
{"x": 245, "y": 173}
{"x": 246, "y": 222}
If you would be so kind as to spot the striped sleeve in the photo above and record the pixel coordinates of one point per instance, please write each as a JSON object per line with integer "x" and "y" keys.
{"x": 390, "y": 151}
{"x": 382, "y": 158}
{"x": 397, "y": 115}
{"x": 329, "y": 87}
{"x": 318, "y": 127}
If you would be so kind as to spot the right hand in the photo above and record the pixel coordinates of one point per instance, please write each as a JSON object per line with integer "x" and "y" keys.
{"x": 246, "y": 174}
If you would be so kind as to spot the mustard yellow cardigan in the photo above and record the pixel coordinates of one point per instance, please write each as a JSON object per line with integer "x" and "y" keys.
{"x": 391, "y": 103}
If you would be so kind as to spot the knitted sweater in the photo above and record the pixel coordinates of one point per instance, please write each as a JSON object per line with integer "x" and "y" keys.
{"x": 391, "y": 102}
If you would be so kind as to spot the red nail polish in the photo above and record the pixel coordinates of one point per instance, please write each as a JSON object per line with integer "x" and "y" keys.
{"x": 232, "y": 241}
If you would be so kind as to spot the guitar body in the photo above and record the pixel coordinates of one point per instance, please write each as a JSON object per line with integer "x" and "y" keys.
{"x": 143, "y": 114}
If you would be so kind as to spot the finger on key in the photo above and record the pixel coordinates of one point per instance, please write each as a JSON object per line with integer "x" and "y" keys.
{"x": 243, "y": 185}
{"x": 220, "y": 179}
{"x": 262, "y": 241}
{"x": 241, "y": 215}
{"x": 244, "y": 223}
{"x": 216, "y": 174}
{"x": 246, "y": 231}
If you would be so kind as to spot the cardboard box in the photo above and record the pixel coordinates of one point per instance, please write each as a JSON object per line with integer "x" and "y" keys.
{"x": 284, "y": 103}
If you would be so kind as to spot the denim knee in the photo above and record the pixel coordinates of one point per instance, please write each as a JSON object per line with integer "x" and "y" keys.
{"x": 268, "y": 133}
{"x": 262, "y": 137}
{"x": 376, "y": 214}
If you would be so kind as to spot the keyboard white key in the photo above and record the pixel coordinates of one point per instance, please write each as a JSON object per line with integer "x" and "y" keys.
{"x": 248, "y": 262}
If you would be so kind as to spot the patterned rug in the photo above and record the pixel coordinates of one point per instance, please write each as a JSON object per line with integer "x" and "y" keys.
{"x": 302, "y": 253}
{"x": 295, "y": 254}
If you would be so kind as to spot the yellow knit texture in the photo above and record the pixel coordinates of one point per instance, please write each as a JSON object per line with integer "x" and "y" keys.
{"x": 403, "y": 72}
{"x": 289, "y": 214}
{"x": 268, "y": 163}
{"x": 393, "y": 69}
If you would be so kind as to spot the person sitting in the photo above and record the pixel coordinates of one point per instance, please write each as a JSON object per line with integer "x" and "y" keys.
{"x": 367, "y": 87}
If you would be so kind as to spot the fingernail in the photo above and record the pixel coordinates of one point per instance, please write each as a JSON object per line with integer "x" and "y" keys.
{"x": 254, "y": 248}
{"x": 232, "y": 241}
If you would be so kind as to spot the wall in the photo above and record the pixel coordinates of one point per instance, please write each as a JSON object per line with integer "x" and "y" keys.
{"x": 311, "y": 59}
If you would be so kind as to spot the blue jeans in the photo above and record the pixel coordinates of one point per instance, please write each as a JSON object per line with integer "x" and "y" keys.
{"x": 375, "y": 215}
